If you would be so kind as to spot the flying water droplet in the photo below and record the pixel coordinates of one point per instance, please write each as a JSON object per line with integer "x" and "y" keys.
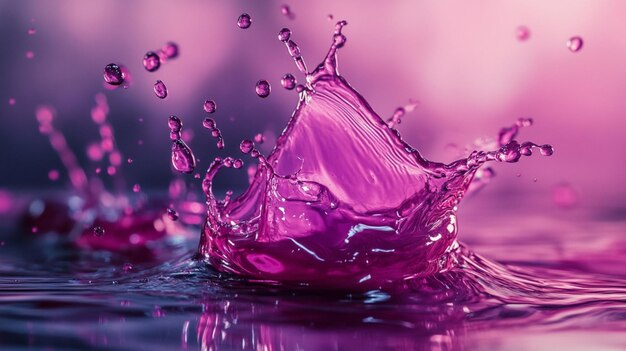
{"x": 113, "y": 74}
{"x": 136, "y": 188}
{"x": 244, "y": 21}
{"x": 170, "y": 50}
{"x": 575, "y": 44}
{"x": 246, "y": 146}
{"x": 288, "y": 81}
{"x": 284, "y": 34}
{"x": 286, "y": 10}
{"x": 263, "y": 88}
{"x": 522, "y": 33}
{"x": 127, "y": 267}
{"x": 31, "y": 31}
{"x": 30, "y": 55}
{"x": 172, "y": 214}
{"x": 151, "y": 61}
{"x": 210, "y": 106}
{"x": 160, "y": 90}
{"x": 183, "y": 159}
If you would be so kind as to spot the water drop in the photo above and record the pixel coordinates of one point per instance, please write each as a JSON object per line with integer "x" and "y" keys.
{"x": 259, "y": 138}
{"x": 244, "y": 21}
{"x": 284, "y": 34}
{"x": 113, "y": 74}
{"x": 53, "y": 175}
{"x": 238, "y": 163}
{"x": 263, "y": 88}
{"x": 285, "y": 10}
{"x": 136, "y": 188}
{"x": 170, "y": 50}
{"x": 127, "y": 267}
{"x": 160, "y": 90}
{"x": 183, "y": 159}
{"x": 546, "y": 150}
{"x": 575, "y": 44}
{"x": 523, "y": 33}
{"x": 246, "y": 146}
{"x": 98, "y": 231}
{"x": 151, "y": 61}
{"x": 210, "y": 106}
{"x": 209, "y": 123}
{"x": 175, "y": 124}
{"x": 129, "y": 160}
{"x": 12, "y": 101}
{"x": 288, "y": 81}
{"x": 30, "y": 55}
{"x": 172, "y": 214}
{"x": 31, "y": 31}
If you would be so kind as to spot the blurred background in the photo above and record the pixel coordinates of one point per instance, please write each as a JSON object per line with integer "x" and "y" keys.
{"x": 463, "y": 61}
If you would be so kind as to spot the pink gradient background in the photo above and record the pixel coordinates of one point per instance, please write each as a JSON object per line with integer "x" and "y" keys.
{"x": 461, "y": 60}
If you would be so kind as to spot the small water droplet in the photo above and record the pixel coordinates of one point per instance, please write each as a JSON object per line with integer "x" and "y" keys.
{"x": 244, "y": 21}
{"x": 12, "y": 101}
{"x": 113, "y": 74}
{"x": 246, "y": 146}
{"x": 129, "y": 160}
{"x": 136, "y": 188}
{"x": 284, "y": 34}
{"x": 127, "y": 267}
{"x": 575, "y": 44}
{"x": 160, "y": 90}
{"x": 151, "y": 61}
{"x": 98, "y": 231}
{"x": 53, "y": 175}
{"x": 546, "y": 150}
{"x": 238, "y": 163}
{"x": 172, "y": 214}
{"x": 209, "y": 123}
{"x": 210, "y": 106}
{"x": 259, "y": 138}
{"x": 31, "y": 31}
{"x": 170, "y": 50}
{"x": 30, "y": 55}
{"x": 175, "y": 124}
{"x": 263, "y": 88}
{"x": 523, "y": 33}
{"x": 288, "y": 81}
{"x": 286, "y": 10}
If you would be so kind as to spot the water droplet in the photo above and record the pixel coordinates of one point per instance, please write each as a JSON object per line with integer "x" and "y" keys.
{"x": 113, "y": 74}
{"x": 259, "y": 138}
{"x": 246, "y": 146}
{"x": 31, "y": 31}
{"x": 172, "y": 214}
{"x": 129, "y": 160}
{"x": 263, "y": 88}
{"x": 330, "y": 17}
{"x": 151, "y": 61}
{"x": 285, "y": 10}
{"x": 127, "y": 267}
{"x": 210, "y": 106}
{"x": 98, "y": 231}
{"x": 136, "y": 188}
{"x": 288, "y": 81}
{"x": 183, "y": 159}
{"x": 160, "y": 90}
{"x": 284, "y": 34}
{"x": 546, "y": 150}
{"x": 238, "y": 163}
{"x": 175, "y": 124}
{"x": 244, "y": 21}
{"x": 30, "y": 55}
{"x": 209, "y": 123}
{"x": 575, "y": 44}
{"x": 523, "y": 33}
{"x": 170, "y": 50}
{"x": 509, "y": 152}
{"x": 12, "y": 101}
{"x": 53, "y": 175}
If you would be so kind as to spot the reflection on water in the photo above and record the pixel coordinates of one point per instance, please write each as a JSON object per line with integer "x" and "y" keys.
{"x": 559, "y": 286}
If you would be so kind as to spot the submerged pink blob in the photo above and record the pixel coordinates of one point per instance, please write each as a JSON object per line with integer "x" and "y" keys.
{"x": 342, "y": 201}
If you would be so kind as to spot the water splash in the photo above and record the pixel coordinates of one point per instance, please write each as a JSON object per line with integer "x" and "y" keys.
{"x": 342, "y": 202}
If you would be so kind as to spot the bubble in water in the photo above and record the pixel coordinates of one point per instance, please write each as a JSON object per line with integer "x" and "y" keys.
{"x": 113, "y": 74}
{"x": 98, "y": 231}
{"x": 160, "y": 90}
{"x": 263, "y": 88}
{"x": 288, "y": 81}
{"x": 575, "y": 44}
{"x": 170, "y": 50}
{"x": 136, "y": 188}
{"x": 246, "y": 146}
{"x": 151, "y": 61}
{"x": 31, "y": 31}
{"x": 284, "y": 34}
{"x": 210, "y": 106}
{"x": 523, "y": 33}
{"x": 172, "y": 214}
{"x": 244, "y": 21}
